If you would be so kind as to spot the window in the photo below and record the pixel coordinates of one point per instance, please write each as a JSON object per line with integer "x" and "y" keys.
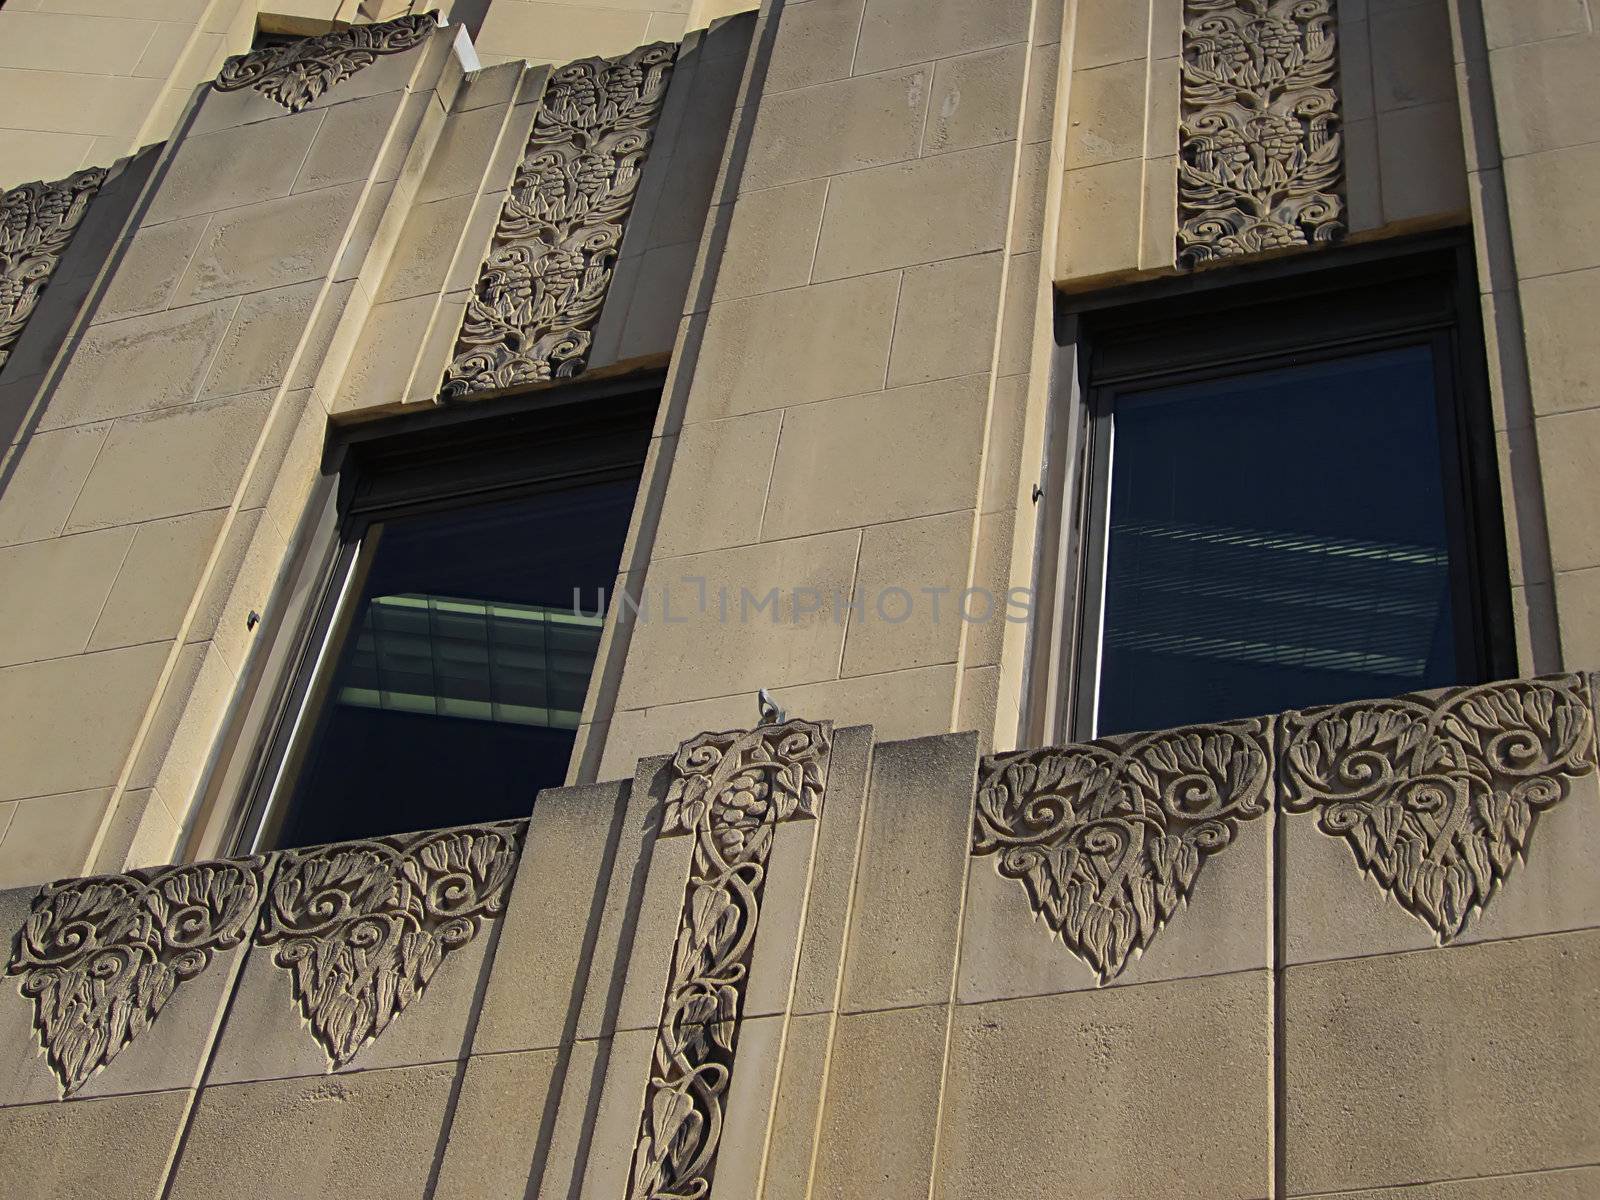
{"x": 1288, "y": 498}
{"x": 443, "y": 679}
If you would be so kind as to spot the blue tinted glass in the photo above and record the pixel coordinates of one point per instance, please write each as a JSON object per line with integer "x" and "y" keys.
{"x": 1276, "y": 539}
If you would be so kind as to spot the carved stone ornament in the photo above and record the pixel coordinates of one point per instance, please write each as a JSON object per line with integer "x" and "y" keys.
{"x": 296, "y": 73}
{"x": 540, "y": 291}
{"x": 37, "y": 220}
{"x": 1261, "y": 157}
{"x": 1109, "y": 837}
{"x": 100, "y": 956}
{"x": 363, "y": 926}
{"x": 729, "y": 792}
{"x": 1437, "y": 796}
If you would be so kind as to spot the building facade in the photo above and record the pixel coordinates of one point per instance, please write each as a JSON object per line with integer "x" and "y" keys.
{"x": 853, "y": 598}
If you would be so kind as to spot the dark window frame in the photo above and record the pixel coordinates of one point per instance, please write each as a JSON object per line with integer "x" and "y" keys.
{"x": 1218, "y": 323}
{"x": 447, "y": 457}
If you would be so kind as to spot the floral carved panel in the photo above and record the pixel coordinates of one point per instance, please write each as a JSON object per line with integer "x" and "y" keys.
{"x": 1437, "y": 796}
{"x": 101, "y": 956}
{"x": 1108, "y": 838}
{"x": 1261, "y": 154}
{"x": 296, "y": 73}
{"x": 538, "y": 295}
{"x": 729, "y": 791}
{"x": 363, "y": 926}
{"x": 37, "y": 220}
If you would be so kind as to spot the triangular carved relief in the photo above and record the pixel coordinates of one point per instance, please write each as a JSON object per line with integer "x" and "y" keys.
{"x": 101, "y": 956}
{"x": 1437, "y": 796}
{"x": 1109, "y": 837}
{"x": 297, "y": 73}
{"x": 363, "y": 926}
{"x": 37, "y": 220}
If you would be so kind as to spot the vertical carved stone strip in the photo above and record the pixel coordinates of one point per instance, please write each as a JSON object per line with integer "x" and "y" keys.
{"x": 1109, "y": 837}
{"x": 101, "y": 956}
{"x": 555, "y": 248}
{"x": 1437, "y": 795}
{"x": 37, "y": 220}
{"x": 1261, "y": 154}
{"x": 297, "y": 73}
{"x": 729, "y": 792}
{"x": 363, "y": 926}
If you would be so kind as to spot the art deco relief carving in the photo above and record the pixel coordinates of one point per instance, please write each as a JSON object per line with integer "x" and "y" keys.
{"x": 101, "y": 956}
{"x": 1261, "y": 156}
{"x": 363, "y": 926}
{"x": 296, "y": 73}
{"x": 37, "y": 220}
{"x": 1437, "y": 796}
{"x": 1108, "y": 838}
{"x": 540, "y": 291}
{"x": 729, "y": 791}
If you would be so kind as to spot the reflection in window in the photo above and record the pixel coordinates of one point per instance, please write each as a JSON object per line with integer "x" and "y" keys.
{"x": 1277, "y": 539}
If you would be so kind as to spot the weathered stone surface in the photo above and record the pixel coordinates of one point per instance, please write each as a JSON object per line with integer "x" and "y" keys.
{"x": 109, "y": 1149}
{"x": 497, "y": 1143}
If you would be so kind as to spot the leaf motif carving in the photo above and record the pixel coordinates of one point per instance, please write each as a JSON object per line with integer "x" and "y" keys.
{"x": 728, "y": 791}
{"x": 101, "y": 956}
{"x": 296, "y": 73}
{"x": 363, "y": 926}
{"x": 1108, "y": 837}
{"x": 37, "y": 221}
{"x": 1438, "y": 795}
{"x": 555, "y": 247}
{"x": 1260, "y": 155}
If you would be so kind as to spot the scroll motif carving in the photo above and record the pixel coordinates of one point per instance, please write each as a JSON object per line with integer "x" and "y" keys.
{"x": 539, "y": 293}
{"x": 1109, "y": 837}
{"x": 729, "y": 792}
{"x": 1261, "y": 155}
{"x": 1437, "y": 796}
{"x": 100, "y": 956}
{"x": 363, "y": 926}
{"x": 295, "y": 74}
{"x": 37, "y": 220}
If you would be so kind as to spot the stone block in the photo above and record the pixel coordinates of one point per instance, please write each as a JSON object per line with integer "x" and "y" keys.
{"x": 427, "y": 247}
{"x": 1512, "y": 22}
{"x": 245, "y": 250}
{"x": 1106, "y": 118}
{"x": 1568, "y": 443}
{"x": 1553, "y": 227}
{"x": 818, "y": 342}
{"x": 71, "y": 721}
{"x": 1473, "y": 1060}
{"x": 536, "y": 985}
{"x": 110, "y": 1149}
{"x": 658, "y": 302}
{"x": 385, "y": 355}
{"x": 614, "y": 1127}
{"x": 898, "y": 32}
{"x": 946, "y": 320}
{"x": 866, "y": 459}
{"x": 1578, "y": 1183}
{"x": 230, "y": 168}
{"x": 1412, "y": 58}
{"x": 45, "y": 484}
{"x": 497, "y": 1133}
{"x": 50, "y": 837}
{"x": 1545, "y": 100}
{"x": 775, "y": 952}
{"x": 162, "y": 464}
{"x": 816, "y": 43}
{"x": 52, "y": 593}
{"x": 751, "y": 1099}
{"x": 909, "y": 584}
{"x": 679, "y": 651}
{"x": 718, "y": 489}
{"x": 1423, "y": 162}
{"x": 880, "y": 1114}
{"x": 372, "y": 1134}
{"x": 272, "y": 333}
{"x": 975, "y": 100}
{"x": 348, "y": 142}
{"x": 1110, "y": 33}
{"x": 461, "y": 155}
{"x": 1563, "y": 360}
{"x": 1578, "y": 600}
{"x": 1100, "y": 231}
{"x": 799, "y": 1101}
{"x": 1028, "y": 319}
{"x": 543, "y": 32}
{"x": 912, "y": 872}
{"x": 148, "y": 272}
{"x": 580, "y": 1086}
{"x": 836, "y": 127}
{"x": 138, "y": 365}
{"x": 1363, "y": 191}
{"x": 947, "y": 206}
{"x": 772, "y": 236}
{"x": 1043, "y": 1094}
{"x": 1008, "y": 431}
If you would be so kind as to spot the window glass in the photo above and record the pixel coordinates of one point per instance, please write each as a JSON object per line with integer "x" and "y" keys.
{"x": 457, "y": 689}
{"x": 1277, "y": 539}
